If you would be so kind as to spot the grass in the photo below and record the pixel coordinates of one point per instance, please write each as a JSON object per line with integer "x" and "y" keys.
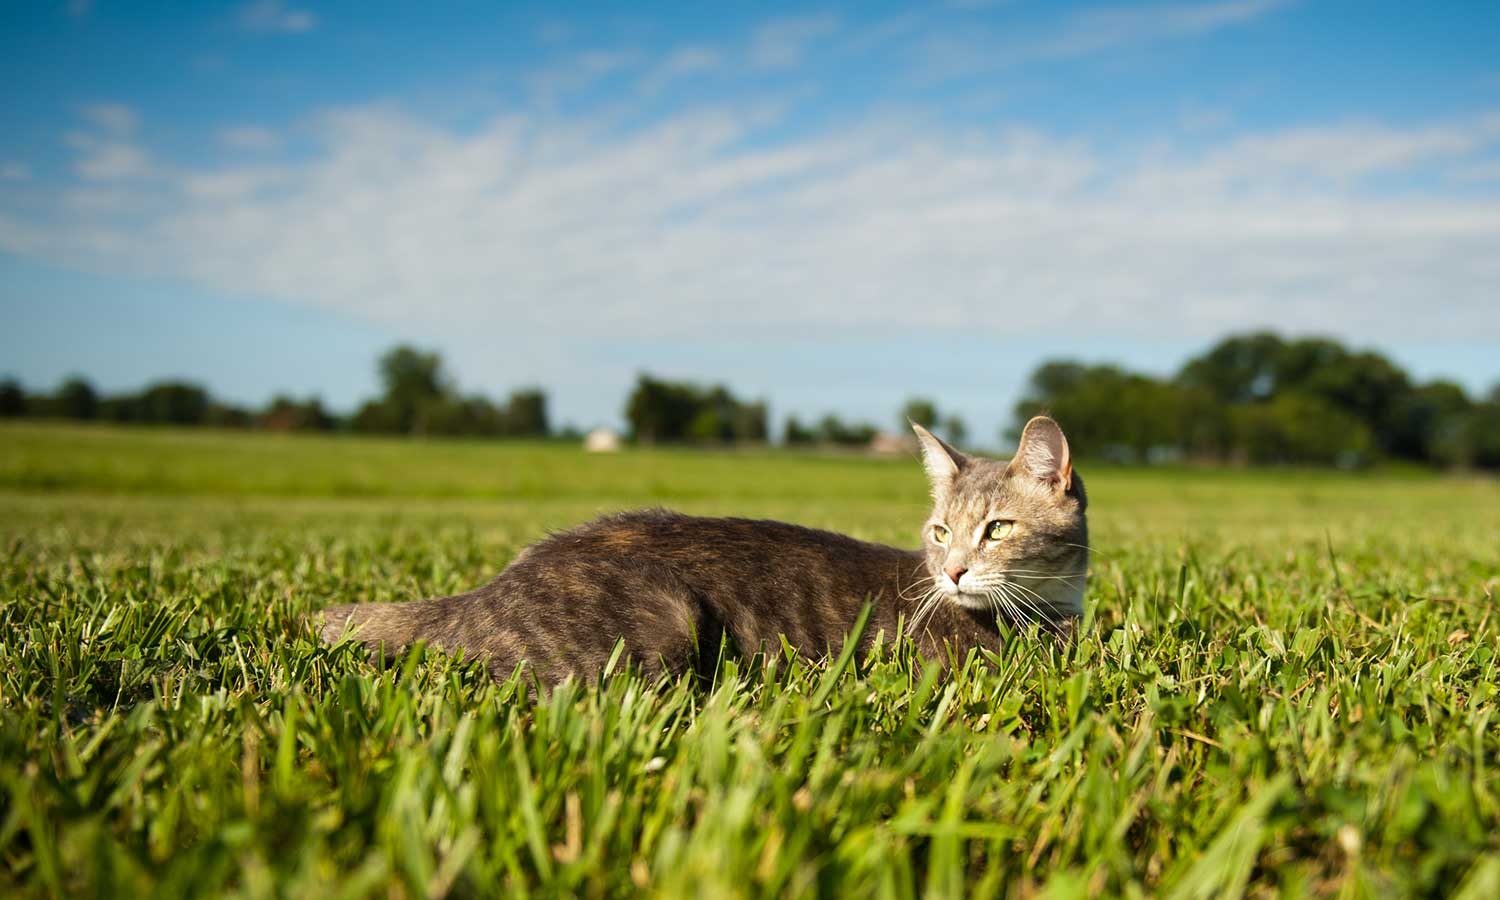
{"x": 1289, "y": 685}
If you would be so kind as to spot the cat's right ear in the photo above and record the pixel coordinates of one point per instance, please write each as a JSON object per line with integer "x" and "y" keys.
{"x": 1043, "y": 454}
{"x": 942, "y": 462}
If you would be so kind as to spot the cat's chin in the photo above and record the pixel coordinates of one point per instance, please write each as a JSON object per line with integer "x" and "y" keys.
{"x": 970, "y": 601}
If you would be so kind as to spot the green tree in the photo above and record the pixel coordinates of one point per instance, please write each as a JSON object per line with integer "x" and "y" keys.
{"x": 920, "y": 410}
{"x": 660, "y": 411}
{"x": 77, "y": 399}
{"x": 833, "y": 430}
{"x": 414, "y": 384}
{"x": 286, "y": 414}
{"x": 955, "y": 430}
{"x": 12, "y": 398}
{"x": 1426, "y": 422}
{"x": 752, "y": 423}
{"x": 1298, "y": 427}
{"x": 1238, "y": 369}
{"x": 526, "y": 414}
{"x": 173, "y": 403}
{"x": 796, "y": 434}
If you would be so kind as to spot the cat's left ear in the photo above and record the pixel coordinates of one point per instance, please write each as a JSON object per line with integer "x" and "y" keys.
{"x": 1043, "y": 454}
{"x": 942, "y": 462}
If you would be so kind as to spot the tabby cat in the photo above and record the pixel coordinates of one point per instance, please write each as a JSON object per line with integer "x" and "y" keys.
{"x": 1005, "y": 540}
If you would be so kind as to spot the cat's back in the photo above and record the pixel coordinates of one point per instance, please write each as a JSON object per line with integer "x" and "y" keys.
{"x": 757, "y": 578}
{"x": 676, "y": 538}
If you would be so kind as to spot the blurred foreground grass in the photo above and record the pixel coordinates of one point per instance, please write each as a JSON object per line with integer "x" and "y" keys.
{"x": 1289, "y": 685}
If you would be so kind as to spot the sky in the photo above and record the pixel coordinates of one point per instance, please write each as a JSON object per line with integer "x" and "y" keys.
{"x": 830, "y": 206}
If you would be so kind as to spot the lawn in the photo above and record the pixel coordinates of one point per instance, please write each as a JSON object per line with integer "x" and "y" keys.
{"x": 1288, "y": 684}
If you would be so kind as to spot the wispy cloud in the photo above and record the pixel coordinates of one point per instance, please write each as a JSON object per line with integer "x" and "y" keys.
{"x": 106, "y": 160}
{"x": 1093, "y": 30}
{"x": 276, "y": 16}
{"x": 683, "y": 62}
{"x": 107, "y": 148}
{"x": 1090, "y": 31}
{"x": 577, "y": 71}
{"x": 782, "y": 43}
{"x": 14, "y": 171}
{"x": 114, "y": 118}
{"x": 249, "y": 138}
{"x": 698, "y": 224}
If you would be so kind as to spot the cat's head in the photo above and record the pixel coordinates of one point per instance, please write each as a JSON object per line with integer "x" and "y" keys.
{"x": 1009, "y": 537}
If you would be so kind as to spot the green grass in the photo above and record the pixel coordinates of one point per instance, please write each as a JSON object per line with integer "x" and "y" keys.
{"x": 1289, "y": 685}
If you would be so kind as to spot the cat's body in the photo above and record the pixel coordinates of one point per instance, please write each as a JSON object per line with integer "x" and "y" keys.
{"x": 677, "y": 588}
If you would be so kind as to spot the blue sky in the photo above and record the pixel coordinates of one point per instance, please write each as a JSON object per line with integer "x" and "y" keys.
{"x": 832, "y": 206}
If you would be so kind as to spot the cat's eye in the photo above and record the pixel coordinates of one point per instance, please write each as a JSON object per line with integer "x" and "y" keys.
{"x": 940, "y": 533}
{"x": 998, "y": 529}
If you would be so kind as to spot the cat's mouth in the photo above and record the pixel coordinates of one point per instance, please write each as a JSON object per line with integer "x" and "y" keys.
{"x": 969, "y": 599}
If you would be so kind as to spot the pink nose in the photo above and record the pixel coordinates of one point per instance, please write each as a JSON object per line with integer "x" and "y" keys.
{"x": 956, "y": 573}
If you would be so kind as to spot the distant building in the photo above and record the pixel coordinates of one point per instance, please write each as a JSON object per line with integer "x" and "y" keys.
{"x": 602, "y": 440}
{"x": 886, "y": 444}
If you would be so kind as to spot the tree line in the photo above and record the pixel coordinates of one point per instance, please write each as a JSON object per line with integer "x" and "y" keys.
{"x": 661, "y": 411}
{"x": 1262, "y": 398}
{"x": 1253, "y": 398}
{"x": 418, "y": 398}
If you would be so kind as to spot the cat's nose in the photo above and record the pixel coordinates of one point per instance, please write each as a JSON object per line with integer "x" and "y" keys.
{"x": 955, "y": 573}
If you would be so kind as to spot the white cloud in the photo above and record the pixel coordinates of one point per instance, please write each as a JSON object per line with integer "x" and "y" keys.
{"x": 1087, "y": 32}
{"x": 108, "y": 149}
{"x": 782, "y": 43}
{"x": 249, "y": 138}
{"x": 700, "y": 225}
{"x": 683, "y": 62}
{"x": 104, "y": 159}
{"x": 276, "y": 16}
{"x": 14, "y": 171}
{"x": 1098, "y": 29}
{"x": 578, "y": 71}
{"x": 115, "y": 118}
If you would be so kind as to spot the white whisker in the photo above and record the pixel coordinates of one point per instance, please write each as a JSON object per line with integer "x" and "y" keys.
{"x": 1039, "y": 598}
{"x": 1021, "y": 600}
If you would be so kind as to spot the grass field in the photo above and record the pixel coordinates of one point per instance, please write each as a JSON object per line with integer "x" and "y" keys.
{"x": 1289, "y": 684}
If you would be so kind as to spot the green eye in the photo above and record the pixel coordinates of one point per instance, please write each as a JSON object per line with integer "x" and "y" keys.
{"x": 940, "y": 533}
{"x": 997, "y": 530}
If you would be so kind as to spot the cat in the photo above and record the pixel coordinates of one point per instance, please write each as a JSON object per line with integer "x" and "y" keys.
{"x": 1005, "y": 540}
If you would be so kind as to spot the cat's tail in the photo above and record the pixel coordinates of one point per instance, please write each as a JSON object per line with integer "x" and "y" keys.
{"x": 395, "y": 625}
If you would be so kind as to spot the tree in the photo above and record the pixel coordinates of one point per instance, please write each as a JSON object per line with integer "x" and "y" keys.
{"x": 1108, "y": 411}
{"x": 1298, "y": 427}
{"x": 1259, "y": 367}
{"x": 173, "y": 403}
{"x": 955, "y": 430}
{"x": 752, "y": 423}
{"x": 12, "y": 398}
{"x": 287, "y": 414}
{"x": 1425, "y": 422}
{"x": 795, "y": 433}
{"x": 227, "y": 415}
{"x": 1472, "y": 438}
{"x": 526, "y": 413}
{"x": 1483, "y": 432}
{"x": 414, "y": 383}
{"x": 832, "y": 430}
{"x": 661, "y": 411}
{"x": 77, "y": 399}
{"x": 1237, "y": 369}
{"x": 920, "y": 410}
{"x": 376, "y": 417}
